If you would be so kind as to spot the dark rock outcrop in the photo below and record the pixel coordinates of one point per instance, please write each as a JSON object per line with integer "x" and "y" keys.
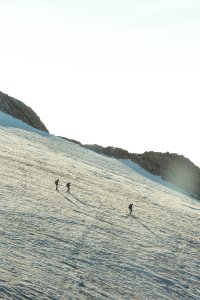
{"x": 71, "y": 140}
{"x": 19, "y": 110}
{"x": 172, "y": 167}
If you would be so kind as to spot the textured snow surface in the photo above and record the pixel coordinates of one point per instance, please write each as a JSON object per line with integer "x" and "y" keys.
{"x": 9, "y": 121}
{"x": 85, "y": 245}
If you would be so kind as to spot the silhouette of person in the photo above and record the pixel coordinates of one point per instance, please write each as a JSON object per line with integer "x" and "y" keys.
{"x": 130, "y": 208}
{"x": 56, "y": 183}
{"x": 68, "y": 186}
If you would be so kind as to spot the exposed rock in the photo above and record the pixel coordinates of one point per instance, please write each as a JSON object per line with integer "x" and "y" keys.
{"x": 71, "y": 140}
{"x": 110, "y": 151}
{"x": 19, "y": 110}
{"x": 170, "y": 166}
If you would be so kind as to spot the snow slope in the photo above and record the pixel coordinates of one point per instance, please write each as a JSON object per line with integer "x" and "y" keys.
{"x": 150, "y": 176}
{"x": 84, "y": 245}
{"x": 9, "y": 121}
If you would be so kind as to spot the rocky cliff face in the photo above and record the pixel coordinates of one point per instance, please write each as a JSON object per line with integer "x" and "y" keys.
{"x": 170, "y": 166}
{"x": 19, "y": 110}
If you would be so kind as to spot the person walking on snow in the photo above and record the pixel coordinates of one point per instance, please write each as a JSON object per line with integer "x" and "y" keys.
{"x": 130, "y": 208}
{"x": 56, "y": 183}
{"x": 68, "y": 186}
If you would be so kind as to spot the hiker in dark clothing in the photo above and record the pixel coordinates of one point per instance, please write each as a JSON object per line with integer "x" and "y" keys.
{"x": 56, "y": 183}
{"x": 131, "y": 208}
{"x": 68, "y": 186}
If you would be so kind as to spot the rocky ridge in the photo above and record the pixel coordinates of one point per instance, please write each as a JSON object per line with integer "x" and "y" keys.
{"x": 172, "y": 167}
{"x": 19, "y": 110}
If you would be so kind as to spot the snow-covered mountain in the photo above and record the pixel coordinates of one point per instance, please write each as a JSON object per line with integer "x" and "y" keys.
{"x": 172, "y": 167}
{"x": 84, "y": 244}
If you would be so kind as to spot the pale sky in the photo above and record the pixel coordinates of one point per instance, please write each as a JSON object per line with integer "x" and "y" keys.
{"x": 121, "y": 73}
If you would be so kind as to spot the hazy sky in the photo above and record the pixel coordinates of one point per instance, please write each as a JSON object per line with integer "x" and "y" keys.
{"x": 123, "y": 73}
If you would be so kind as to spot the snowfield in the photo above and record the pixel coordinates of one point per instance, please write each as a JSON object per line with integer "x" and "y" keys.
{"x": 85, "y": 245}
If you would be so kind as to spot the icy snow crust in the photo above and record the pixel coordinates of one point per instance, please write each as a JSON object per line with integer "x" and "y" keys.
{"x": 9, "y": 121}
{"x": 85, "y": 245}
